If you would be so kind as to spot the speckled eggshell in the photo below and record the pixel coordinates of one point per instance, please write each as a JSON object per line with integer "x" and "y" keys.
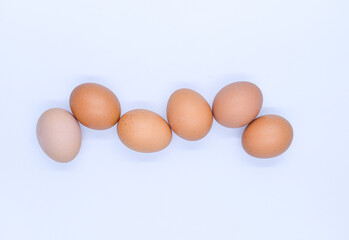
{"x": 59, "y": 134}
{"x": 95, "y": 106}
{"x": 237, "y": 104}
{"x": 268, "y": 136}
{"x": 144, "y": 131}
{"x": 189, "y": 114}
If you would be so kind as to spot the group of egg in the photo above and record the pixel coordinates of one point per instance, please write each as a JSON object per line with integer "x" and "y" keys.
{"x": 189, "y": 115}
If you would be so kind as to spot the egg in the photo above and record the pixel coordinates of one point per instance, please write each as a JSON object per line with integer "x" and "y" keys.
{"x": 59, "y": 134}
{"x": 237, "y": 104}
{"x": 95, "y": 106}
{"x": 189, "y": 114}
{"x": 267, "y": 136}
{"x": 144, "y": 131}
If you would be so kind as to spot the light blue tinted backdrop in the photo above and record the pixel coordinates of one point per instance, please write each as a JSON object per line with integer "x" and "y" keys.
{"x": 296, "y": 51}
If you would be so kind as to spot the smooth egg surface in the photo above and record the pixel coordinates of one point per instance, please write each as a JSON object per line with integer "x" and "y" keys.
{"x": 95, "y": 106}
{"x": 237, "y": 104}
{"x": 268, "y": 136}
{"x": 59, "y": 134}
{"x": 144, "y": 131}
{"x": 189, "y": 114}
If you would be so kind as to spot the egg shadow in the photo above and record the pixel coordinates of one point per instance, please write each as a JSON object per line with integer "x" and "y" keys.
{"x": 134, "y": 156}
{"x": 226, "y": 132}
{"x": 186, "y": 145}
{"x": 271, "y": 110}
{"x": 54, "y": 166}
{"x": 261, "y": 162}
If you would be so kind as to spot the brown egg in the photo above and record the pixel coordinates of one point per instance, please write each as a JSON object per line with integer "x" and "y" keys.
{"x": 144, "y": 131}
{"x": 59, "y": 134}
{"x": 237, "y": 104}
{"x": 267, "y": 136}
{"x": 189, "y": 114}
{"x": 95, "y": 106}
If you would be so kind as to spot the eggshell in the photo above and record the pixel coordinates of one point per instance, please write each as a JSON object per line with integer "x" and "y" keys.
{"x": 144, "y": 131}
{"x": 267, "y": 136}
{"x": 95, "y": 106}
{"x": 237, "y": 104}
{"x": 59, "y": 134}
{"x": 189, "y": 114}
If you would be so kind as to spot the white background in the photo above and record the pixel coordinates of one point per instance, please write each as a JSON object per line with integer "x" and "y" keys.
{"x": 296, "y": 51}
